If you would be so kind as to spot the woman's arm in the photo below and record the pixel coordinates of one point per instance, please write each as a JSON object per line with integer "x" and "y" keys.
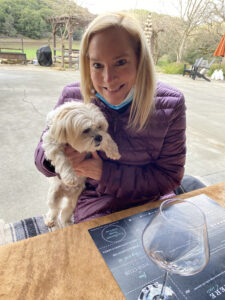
{"x": 42, "y": 164}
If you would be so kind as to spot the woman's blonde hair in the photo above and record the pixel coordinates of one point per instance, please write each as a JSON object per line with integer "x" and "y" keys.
{"x": 143, "y": 100}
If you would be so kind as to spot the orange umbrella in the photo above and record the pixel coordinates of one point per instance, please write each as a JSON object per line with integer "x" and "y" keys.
{"x": 220, "y": 50}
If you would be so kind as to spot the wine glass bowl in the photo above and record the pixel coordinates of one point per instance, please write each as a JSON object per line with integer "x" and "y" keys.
{"x": 176, "y": 240}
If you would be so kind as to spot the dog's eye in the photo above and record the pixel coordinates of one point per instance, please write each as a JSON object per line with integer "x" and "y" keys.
{"x": 99, "y": 127}
{"x": 86, "y": 130}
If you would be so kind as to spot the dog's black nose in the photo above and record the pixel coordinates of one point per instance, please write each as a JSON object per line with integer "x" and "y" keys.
{"x": 98, "y": 138}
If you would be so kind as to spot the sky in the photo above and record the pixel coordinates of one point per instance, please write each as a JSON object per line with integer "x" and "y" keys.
{"x": 101, "y": 6}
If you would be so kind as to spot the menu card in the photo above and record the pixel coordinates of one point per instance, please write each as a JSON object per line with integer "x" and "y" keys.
{"x": 121, "y": 247}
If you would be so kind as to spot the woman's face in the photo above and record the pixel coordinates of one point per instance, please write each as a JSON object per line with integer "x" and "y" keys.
{"x": 113, "y": 64}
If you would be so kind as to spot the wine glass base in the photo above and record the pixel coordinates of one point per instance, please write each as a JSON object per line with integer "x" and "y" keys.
{"x": 152, "y": 292}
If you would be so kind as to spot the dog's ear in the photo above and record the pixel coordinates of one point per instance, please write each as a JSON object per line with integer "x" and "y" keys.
{"x": 62, "y": 128}
{"x": 58, "y": 126}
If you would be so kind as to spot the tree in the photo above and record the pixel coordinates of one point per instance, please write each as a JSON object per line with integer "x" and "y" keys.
{"x": 24, "y": 17}
{"x": 31, "y": 24}
{"x": 169, "y": 37}
{"x": 8, "y": 26}
{"x": 193, "y": 13}
{"x": 28, "y": 18}
{"x": 203, "y": 42}
{"x": 6, "y": 18}
{"x": 218, "y": 9}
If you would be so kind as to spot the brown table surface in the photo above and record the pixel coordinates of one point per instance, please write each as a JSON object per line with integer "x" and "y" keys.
{"x": 66, "y": 264}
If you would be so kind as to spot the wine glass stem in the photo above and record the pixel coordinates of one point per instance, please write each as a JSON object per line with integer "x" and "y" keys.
{"x": 163, "y": 286}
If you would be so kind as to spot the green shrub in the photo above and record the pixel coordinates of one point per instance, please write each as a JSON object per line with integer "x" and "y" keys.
{"x": 162, "y": 63}
{"x": 173, "y": 68}
{"x": 216, "y": 67}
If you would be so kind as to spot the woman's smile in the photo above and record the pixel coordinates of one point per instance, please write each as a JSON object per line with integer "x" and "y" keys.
{"x": 114, "y": 90}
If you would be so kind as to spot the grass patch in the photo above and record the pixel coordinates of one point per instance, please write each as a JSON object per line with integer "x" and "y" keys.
{"x": 177, "y": 68}
{"x": 31, "y": 46}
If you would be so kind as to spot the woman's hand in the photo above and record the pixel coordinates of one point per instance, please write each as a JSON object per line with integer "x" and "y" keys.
{"x": 91, "y": 167}
{"x": 74, "y": 156}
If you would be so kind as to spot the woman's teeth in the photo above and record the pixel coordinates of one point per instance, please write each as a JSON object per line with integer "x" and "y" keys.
{"x": 114, "y": 90}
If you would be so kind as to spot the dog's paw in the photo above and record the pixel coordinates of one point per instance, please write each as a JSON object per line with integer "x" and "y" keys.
{"x": 49, "y": 222}
{"x": 50, "y": 219}
{"x": 115, "y": 155}
{"x": 112, "y": 151}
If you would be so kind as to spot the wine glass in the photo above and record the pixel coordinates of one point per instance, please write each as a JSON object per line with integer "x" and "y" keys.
{"x": 176, "y": 240}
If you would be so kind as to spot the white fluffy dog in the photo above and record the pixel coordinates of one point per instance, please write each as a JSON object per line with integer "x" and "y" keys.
{"x": 84, "y": 127}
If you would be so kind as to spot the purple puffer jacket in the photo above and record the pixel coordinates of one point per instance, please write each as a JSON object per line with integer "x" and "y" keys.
{"x": 151, "y": 163}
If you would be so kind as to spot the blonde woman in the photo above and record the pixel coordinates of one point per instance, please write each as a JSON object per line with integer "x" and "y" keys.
{"x": 146, "y": 120}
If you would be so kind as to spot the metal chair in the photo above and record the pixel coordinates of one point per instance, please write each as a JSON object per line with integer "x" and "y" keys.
{"x": 202, "y": 69}
{"x": 191, "y": 71}
{"x": 198, "y": 69}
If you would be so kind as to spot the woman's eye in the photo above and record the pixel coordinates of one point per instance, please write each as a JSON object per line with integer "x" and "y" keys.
{"x": 121, "y": 62}
{"x": 86, "y": 130}
{"x": 97, "y": 65}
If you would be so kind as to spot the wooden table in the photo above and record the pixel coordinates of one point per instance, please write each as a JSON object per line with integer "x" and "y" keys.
{"x": 66, "y": 264}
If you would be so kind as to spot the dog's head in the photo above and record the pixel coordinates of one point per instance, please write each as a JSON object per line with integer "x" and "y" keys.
{"x": 83, "y": 126}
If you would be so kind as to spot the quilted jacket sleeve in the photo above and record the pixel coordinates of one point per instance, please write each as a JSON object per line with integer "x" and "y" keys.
{"x": 157, "y": 178}
{"x": 70, "y": 93}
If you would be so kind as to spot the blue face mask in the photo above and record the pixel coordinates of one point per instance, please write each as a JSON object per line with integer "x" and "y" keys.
{"x": 126, "y": 101}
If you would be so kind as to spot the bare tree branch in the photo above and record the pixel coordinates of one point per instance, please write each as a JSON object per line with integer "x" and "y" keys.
{"x": 218, "y": 8}
{"x": 192, "y": 13}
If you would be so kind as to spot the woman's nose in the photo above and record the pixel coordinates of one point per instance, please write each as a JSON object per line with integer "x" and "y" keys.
{"x": 109, "y": 74}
